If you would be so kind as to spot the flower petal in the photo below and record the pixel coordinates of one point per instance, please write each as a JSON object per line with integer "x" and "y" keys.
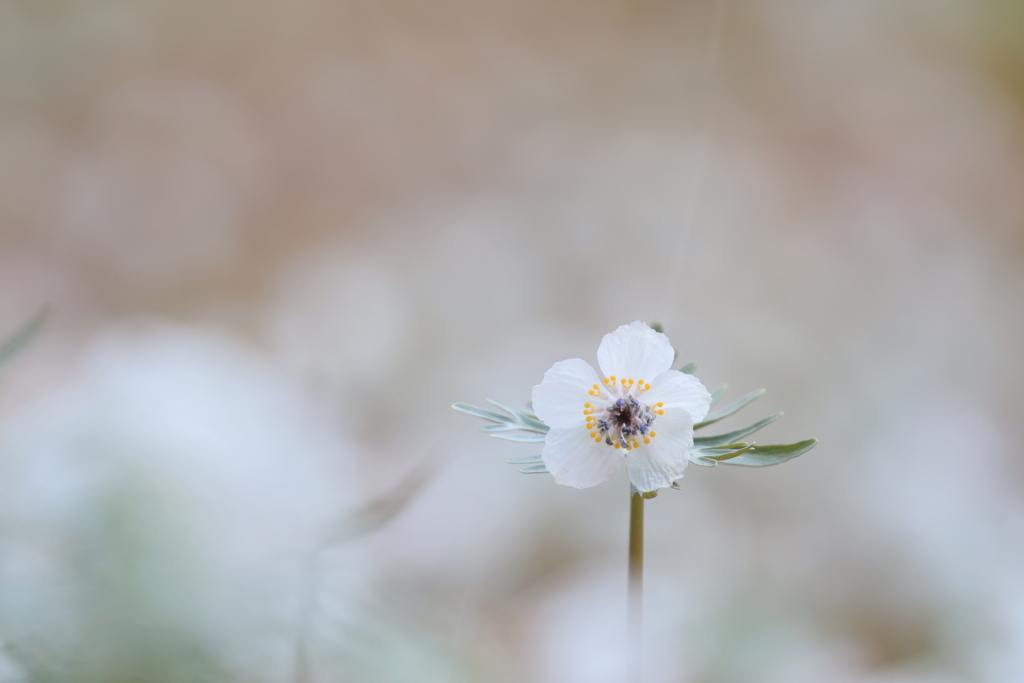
{"x": 558, "y": 400}
{"x": 679, "y": 390}
{"x": 657, "y": 464}
{"x": 577, "y": 460}
{"x": 635, "y": 351}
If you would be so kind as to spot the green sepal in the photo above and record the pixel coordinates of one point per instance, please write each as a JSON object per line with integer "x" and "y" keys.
{"x": 527, "y": 460}
{"x": 689, "y": 368}
{"x": 17, "y": 342}
{"x": 534, "y": 469}
{"x": 731, "y": 437}
{"x": 763, "y": 456}
{"x": 726, "y": 412}
{"x": 647, "y": 495}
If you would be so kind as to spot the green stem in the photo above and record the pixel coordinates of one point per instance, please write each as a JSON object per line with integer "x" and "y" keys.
{"x": 636, "y": 579}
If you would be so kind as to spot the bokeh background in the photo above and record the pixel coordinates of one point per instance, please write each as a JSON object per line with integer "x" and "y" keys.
{"x": 278, "y": 239}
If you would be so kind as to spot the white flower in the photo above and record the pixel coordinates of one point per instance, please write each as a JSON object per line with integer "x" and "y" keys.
{"x": 639, "y": 411}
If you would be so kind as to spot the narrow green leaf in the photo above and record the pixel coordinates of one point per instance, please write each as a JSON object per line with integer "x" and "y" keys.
{"x": 503, "y": 427}
{"x": 528, "y": 460}
{"x": 480, "y": 412}
{"x": 717, "y": 394}
{"x": 730, "y": 437}
{"x": 714, "y": 450}
{"x": 762, "y": 456}
{"x": 522, "y": 417}
{"x": 726, "y": 412}
{"x": 534, "y": 469}
{"x": 17, "y": 342}
{"x": 657, "y": 326}
{"x": 697, "y": 459}
{"x": 689, "y": 368}
{"x": 729, "y": 455}
{"x": 521, "y": 438}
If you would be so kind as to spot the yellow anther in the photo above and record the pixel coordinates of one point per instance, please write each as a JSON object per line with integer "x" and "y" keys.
{"x": 593, "y": 393}
{"x": 653, "y": 435}
{"x": 646, "y": 440}
{"x": 647, "y": 387}
{"x": 659, "y": 412}
{"x": 593, "y": 435}
{"x": 659, "y": 404}
{"x": 587, "y": 405}
{"x": 617, "y": 446}
{"x": 612, "y": 378}
{"x": 596, "y": 387}
{"x": 597, "y": 440}
{"x": 640, "y": 382}
{"x": 635, "y": 444}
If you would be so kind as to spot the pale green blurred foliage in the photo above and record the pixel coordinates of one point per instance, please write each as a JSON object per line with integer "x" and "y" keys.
{"x": 278, "y": 240}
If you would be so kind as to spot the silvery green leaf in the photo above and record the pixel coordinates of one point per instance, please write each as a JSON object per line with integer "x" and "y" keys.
{"x": 717, "y": 394}
{"x": 697, "y": 459}
{"x": 676, "y": 486}
{"x": 723, "y": 448}
{"x": 14, "y": 344}
{"x": 503, "y": 427}
{"x": 689, "y": 368}
{"x": 657, "y": 326}
{"x": 522, "y": 417}
{"x": 480, "y": 412}
{"x": 726, "y": 412}
{"x": 534, "y": 469}
{"x": 725, "y": 455}
{"x": 730, "y": 437}
{"x": 527, "y": 460}
{"x": 521, "y": 438}
{"x": 762, "y": 456}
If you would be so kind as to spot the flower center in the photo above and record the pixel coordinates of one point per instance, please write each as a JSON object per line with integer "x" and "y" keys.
{"x": 617, "y": 417}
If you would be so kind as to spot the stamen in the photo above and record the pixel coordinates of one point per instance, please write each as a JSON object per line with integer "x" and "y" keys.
{"x": 624, "y": 421}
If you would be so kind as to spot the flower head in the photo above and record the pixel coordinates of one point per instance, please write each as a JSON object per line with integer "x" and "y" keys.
{"x": 638, "y": 410}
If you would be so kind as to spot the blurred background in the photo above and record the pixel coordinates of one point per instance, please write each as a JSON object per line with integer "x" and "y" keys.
{"x": 277, "y": 240}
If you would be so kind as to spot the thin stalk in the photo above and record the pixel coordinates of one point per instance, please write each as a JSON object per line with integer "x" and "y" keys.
{"x": 635, "y": 614}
